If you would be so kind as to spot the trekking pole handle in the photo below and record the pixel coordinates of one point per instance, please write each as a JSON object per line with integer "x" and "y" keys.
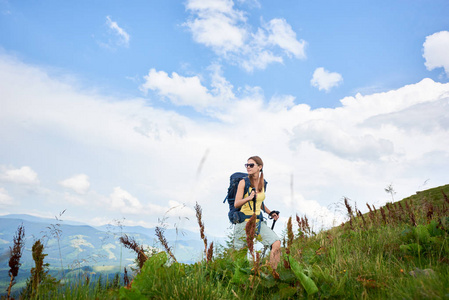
{"x": 270, "y": 217}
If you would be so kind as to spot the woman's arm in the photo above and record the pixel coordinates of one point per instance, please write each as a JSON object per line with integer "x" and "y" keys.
{"x": 239, "y": 200}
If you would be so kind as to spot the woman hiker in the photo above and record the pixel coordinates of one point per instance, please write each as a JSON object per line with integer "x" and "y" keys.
{"x": 254, "y": 167}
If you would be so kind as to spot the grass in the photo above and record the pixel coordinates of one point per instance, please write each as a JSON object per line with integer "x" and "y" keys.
{"x": 399, "y": 251}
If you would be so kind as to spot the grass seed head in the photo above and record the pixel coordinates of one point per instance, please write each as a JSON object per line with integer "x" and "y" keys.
{"x": 251, "y": 233}
{"x": 199, "y": 215}
{"x": 210, "y": 252}
{"x": 290, "y": 234}
{"x": 16, "y": 251}
{"x": 348, "y": 207}
{"x": 160, "y": 235}
{"x": 130, "y": 243}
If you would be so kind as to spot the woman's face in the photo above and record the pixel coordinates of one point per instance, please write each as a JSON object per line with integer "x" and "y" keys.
{"x": 252, "y": 167}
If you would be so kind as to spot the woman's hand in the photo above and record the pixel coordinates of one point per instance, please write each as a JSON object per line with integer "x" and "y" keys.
{"x": 252, "y": 195}
{"x": 274, "y": 214}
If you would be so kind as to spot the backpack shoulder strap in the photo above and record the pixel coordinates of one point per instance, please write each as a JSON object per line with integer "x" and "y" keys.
{"x": 247, "y": 184}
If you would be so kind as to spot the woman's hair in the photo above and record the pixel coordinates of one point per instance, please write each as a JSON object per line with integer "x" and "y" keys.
{"x": 258, "y": 161}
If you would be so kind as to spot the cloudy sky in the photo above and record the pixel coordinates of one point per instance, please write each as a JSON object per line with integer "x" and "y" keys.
{"x": 111, "y": 110}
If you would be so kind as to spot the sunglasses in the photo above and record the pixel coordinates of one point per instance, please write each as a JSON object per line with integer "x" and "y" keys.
{"x": 249, "y": 165}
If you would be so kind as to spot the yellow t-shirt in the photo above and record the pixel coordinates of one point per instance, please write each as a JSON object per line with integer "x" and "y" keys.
{"x": 248, "y": 207}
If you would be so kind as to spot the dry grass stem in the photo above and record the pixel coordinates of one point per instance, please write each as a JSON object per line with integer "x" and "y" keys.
{"x": 126, "y": 279}
{"x": 350, "y": 212}
{"x": 250, "y": 234}
{"x": 199, "y": 214}
{"x": 303, "y": 224}
{"x": 359, "y": 213}
{"x": 15, "y": 255}
{"x": 411, "y": 214}
{"x": 372, "y": 214}
{"x": 130, "y": 243}
{"x": 160, "y": 235}
{"x": 210, "y": 252}
{"x": 290, "y": 235}
{"x": 348, "y": 207}
{"x": 384, "y": 216}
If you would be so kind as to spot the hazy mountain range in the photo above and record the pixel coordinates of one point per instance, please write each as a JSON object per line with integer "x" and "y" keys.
{"x": 83, "y": 245}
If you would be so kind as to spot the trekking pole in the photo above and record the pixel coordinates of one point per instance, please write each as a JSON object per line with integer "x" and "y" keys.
{"x": 272, "y": 226}
{"x": 254, "y": 201}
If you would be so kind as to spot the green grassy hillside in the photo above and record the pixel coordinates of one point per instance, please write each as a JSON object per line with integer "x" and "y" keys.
{"x": 399, "y": 251}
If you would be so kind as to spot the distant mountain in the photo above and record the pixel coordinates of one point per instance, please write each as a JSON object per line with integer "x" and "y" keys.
{"x": 83, "y": 245}
{"x": 74, "y": 248}
{"x": 38, "y": 219}
{"x": 170, "y": 234}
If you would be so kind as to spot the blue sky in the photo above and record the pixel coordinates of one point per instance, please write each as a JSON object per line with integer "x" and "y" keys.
{"x": 373, "y": 46}
{"x": 116, "y": 110}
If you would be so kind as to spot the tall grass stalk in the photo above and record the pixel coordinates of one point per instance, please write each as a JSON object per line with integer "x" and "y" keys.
{"x": 161, "y": 237}
{"x": 130, "y": 243}
{"x": 250, "y": 229}
{"x": 56, "y": 232}
{"x": 208, "y": 250}
{"x": 15, "y": 255}
{"x": 199, "y": 215}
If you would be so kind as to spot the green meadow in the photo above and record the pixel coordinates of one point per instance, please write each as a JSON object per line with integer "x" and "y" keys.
{"x": 398, "y": 251}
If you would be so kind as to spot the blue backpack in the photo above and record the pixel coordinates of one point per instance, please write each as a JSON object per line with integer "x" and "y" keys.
{"x": 234, "y": 214}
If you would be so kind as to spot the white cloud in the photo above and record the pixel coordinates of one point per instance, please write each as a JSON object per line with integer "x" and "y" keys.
{"x": 325, "y": 80}
{"x": 436, "y": 51}
{"x": 218, "y": 25}
{"x": 318, "y": 216}
{"x": 75, "y": 200}
{"x": 25, "y": 175}
{"x": 189, "y": 91}
{"x": 78, "y": 183}
{"x": 378, "y": 126}
{"x": 332, "y": 137}
{"x": 5, "y": 198}
{"x": 180, "y": 90}
{"x": 422, "y": 117}
{"x": 281, "y": 34}
{"x": 124, "y": 201}
{"x": 221, "y": 88}
{"x": 250, "y": 3}
{"x": 259, "y": 60}
{"x": 353, "y": 150}
{"x": 123, "y": 36}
